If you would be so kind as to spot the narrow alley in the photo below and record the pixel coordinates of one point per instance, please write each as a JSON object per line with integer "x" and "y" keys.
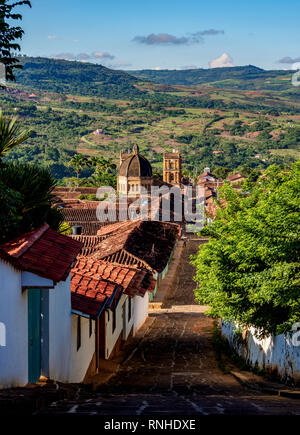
{"x": 173, "y": 370}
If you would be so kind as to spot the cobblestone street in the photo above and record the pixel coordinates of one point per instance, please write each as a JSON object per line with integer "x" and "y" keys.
{"x": 173, "y": 369}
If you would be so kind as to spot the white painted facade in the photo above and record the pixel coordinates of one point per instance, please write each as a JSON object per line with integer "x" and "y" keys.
{"x": 60, "y": 331}
{"x": 56, "y": 342}
{"x": 14, "y": 315}
{"x": 140, "y": 311}
{"x": 123, "y": 324}
{"x": 82, "y": 357}
{"x": 64, "y": 362}
{"x": 275, "y": 354}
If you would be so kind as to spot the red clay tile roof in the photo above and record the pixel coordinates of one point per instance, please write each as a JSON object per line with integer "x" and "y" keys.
{"x": 207, "y": 174}
{"x": 209, "y": 192}
{"x": 90, "y": 307}
{"x": 133, "y": 281}
{"x": 89, "y": 243}
{"x": 148, "y": 242}
{"x": 90, "y": 295}
{"x": 80, "y": 214}
{"x": 44, "y": 252}
{"x": 235, "y": 177}
{"x": 116, "y": 227}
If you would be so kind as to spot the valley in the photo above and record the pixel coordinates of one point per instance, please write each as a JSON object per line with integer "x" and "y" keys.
{"x": 74, "y": 107}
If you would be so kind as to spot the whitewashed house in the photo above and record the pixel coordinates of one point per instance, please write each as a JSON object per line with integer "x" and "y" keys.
{"x": 35, "y": 307}
{"x": 109, "y": 304}
{"x": 112, "y": 282}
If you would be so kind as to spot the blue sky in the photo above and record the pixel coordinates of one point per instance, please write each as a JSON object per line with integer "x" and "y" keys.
{"x": 165, "y": 33}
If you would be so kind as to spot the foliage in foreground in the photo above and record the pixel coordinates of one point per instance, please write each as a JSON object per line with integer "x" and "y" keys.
{"x": 249, "y": 272}
{"x": 26, "y": 200}
{"x": 9, "y": 35}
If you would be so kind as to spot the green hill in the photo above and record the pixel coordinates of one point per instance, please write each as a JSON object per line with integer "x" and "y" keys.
{"x": 62, "y": 76}
{"x": 240, "y": 77}
{"x": 227, "y": 120}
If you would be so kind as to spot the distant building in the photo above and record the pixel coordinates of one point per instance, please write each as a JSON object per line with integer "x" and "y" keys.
{"x": 207, "y": 177}
{"x": 172, "y": 168}
{"x": 235, "y": 178}
{"x": 135, "y": 172}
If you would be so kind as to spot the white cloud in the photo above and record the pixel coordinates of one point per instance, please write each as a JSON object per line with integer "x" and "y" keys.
{"x": 166, "y": 38}
{"x": 84, "y": 57}
{"x": 187, "y": 67}
{"x": 296, "y": 66}
{"x": 220, "y": 62}
{"x": 102, "y": 55}
{"x": 59, "y": 38}
{"x": 65, "y": 56}
{"x": 119, "y": 65}
{"x": 289, "y": 59}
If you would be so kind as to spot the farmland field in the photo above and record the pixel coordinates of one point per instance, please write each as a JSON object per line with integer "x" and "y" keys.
{"x": 210, "y": 124}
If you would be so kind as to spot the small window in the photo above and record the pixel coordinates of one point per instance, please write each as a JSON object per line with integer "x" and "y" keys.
{"x": 90, "y": 327}
{"x": 129, "y": 308}
{"x": 78, "y": 332}
{"x": 114, "y": 320}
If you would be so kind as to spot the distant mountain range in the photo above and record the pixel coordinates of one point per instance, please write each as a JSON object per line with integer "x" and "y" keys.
{"x": 80, "y": 78}
{"x": 241, "y": 77}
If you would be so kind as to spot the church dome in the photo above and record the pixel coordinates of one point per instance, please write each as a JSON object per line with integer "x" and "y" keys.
{"x": 135, "y": 165}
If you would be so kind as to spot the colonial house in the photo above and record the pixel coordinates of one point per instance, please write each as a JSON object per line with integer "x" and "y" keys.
{"x": 109, "y": 303}
{"x": 235, "y": 179}
{"x": 207, "y": 177}
{"x": 35, "y": 307}
{"x": 117, "y": 272}
{"x": 146, "y": 245}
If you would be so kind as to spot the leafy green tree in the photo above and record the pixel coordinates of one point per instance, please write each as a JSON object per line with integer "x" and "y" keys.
{"x": 78, "y": 162}
{"x": 11, "y": 134}
{"x": 102, "y": 165}
{"x": 9, "y": 218}
{"x": 9, "y": 35}
{"x": 249, "y": 272}
{"x": 102, "y": 179}
{"x": 221, "y": 172}
{"x": 27, "y": 195}
{"x": 248, "y": 172}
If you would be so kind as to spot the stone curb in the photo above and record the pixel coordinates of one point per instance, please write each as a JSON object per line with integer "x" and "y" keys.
{"x": 265, "y": 388}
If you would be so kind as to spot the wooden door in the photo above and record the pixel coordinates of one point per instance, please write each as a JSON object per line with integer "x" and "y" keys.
{"x": 34, "y": 335}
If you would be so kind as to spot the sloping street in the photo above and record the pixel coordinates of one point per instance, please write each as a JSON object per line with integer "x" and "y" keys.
{"x": 173, "y": 368}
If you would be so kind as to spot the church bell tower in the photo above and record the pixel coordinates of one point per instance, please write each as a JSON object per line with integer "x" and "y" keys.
{"x": 172, "y": 168}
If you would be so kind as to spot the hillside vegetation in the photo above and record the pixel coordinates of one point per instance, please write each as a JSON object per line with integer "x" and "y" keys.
{"x": 240, "y": 77}
{"x": 65, "y": 103}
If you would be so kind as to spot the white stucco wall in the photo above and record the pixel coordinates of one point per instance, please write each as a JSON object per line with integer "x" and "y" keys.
{"x": 140, "y": 310}
{"x": 275, "y": 354}
{"x": 60, "y": 327}
{"x": 128, "y": 325}
{"x": 13, "y": 314}
{"x": 121, "y": 326}
{"x": 81, "y": 358}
